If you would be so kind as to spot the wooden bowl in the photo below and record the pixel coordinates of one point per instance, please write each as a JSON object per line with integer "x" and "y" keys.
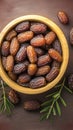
{"x": 65, "y": 53}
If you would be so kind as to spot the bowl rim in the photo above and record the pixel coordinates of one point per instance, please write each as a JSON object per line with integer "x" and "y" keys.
{"x": 65, "y": 52}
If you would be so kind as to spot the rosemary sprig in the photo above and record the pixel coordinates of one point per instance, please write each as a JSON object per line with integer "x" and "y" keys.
{"x": 52, "y": 106}
{"x": 5, "y": 105}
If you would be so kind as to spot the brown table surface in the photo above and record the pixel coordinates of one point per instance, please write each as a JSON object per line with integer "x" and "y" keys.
{"x": 20, "y": 119}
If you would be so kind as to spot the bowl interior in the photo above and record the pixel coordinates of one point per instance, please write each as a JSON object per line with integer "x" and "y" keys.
{"x": 65, "y": 53}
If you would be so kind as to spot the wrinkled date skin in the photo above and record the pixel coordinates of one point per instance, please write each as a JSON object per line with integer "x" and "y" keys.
{"x": 39, "y": 51}
{"x": 43, "y": 60}
{"x": 52, "y": 74}
{"x": 13, "y": 97}
{"x": 10, "y": 63}
{"x": 37, "y": 82}
{"x": 31, "y": 105}
{"x": 14, "y": 46}
{"x": 4, "y": 59}
{"x": 56, "y": 64}
{"x": 12, "y": 75}
{"x": 55, "y": 55}
{"x": 70, "y": 81}
{"x": 32, "y": 68}
{"x": 38, "y": 28}
{"x": 25, "y": 36}
{"x": 50, "y": 37}
{"x": 24, "y": 26}
{"x": 32, "y": 55}
{"x": 24, "y": 78}
{"x": 21, "y": 54}
{"x": 57, "y": 46}
{"x": 71, "y": 36}
{"x": 38, "y": 41}
{"x": 20, "y": 67}
{"x": 43, "y": 70}
{"x": 63, "y": 17}
{"x": 5, "y": 48}
{"x": 10, "y": 35}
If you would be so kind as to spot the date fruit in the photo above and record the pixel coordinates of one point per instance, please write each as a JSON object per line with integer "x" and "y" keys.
{"x": 43, "y": 70}
{"x": 20, "y": 67}
{"x": 43, "y": 60}
{"x": 50, "y": 37}
{"x": 10, "y": 35}
{"x": 21, "y": 54}
{"x": 52, "y": 74}
{"x": 32, "y": 68}
{"x": 14, "y": 46}
{"x": 39, "y": 51}
{"x": 13, "y": 97}
{"x": 56, "y": 64}
{"x": 38, "y": 28}
{"x": 10, "y": 63}
{"x": 38, "y": 41}
{"x": 71, "y": 36}
{"x": 70, "y": 81}
{"x": 23, "y": 78}
{"x": 31, "y": 53}
{"x": 24, "y": 26}
{"x": 31, "y": 105}
{"x": 12, "y": 76}
{"x": 55, "y": 55}
{"x": 5, "y": 48}
{"x": 4, "y": 59}
{"x": 57, "y": 46}
{"x": 37, "y": 82}
{"x": 63, "y": 17}
{"x": 25, "y": 36}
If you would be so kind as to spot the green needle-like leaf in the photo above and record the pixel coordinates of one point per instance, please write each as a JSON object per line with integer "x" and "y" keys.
{"x": 50, "y": 95}
{"x": 46, "y": 102}
{"x": 69, "y": 90}
{"x": 63, "y": 102}
{"x": 6, "y": 106}
{"x": 54, "y": 111}
{"x": 58, "y": 108}
{"x": 52, "y": 105}
{"x": 45, "y": 109}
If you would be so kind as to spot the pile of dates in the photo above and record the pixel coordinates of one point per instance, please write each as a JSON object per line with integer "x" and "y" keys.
{"x": 31, "y": 54}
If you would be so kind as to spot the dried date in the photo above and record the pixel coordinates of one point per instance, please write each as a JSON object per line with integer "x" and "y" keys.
{"x": 43, "y": 70}
{"x": 20, "y": 67}
{"x": 5, "y": 49}
{"x": 37, "y": 82}
{"x": 71, "y": 36}
{"x": 10, "y": 63}
{"x": 50, "y": 37}
{"x": 43, "y": 60}
{"x": 25, "y": 36}
{"x": 31, "y": 105}
{"x": 21, "y": 54}
{"x": 63, "y": 17}
{"x": 24, "y": 26}
{"x": 55, "y": 55}
{"x": 38, "y": 41}
{"x": 32, "y": 68}
{"x": 23, "y": 78}
{"x": 52, "y": 74}
{"x": 10, "y": 35}
{"x": 38, "y": 28}
{"x": 14, "y": 46}
{"x": 31, "y": 53}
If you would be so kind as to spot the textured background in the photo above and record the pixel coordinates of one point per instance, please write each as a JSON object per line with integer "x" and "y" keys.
{"x": 20, "y": 119}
